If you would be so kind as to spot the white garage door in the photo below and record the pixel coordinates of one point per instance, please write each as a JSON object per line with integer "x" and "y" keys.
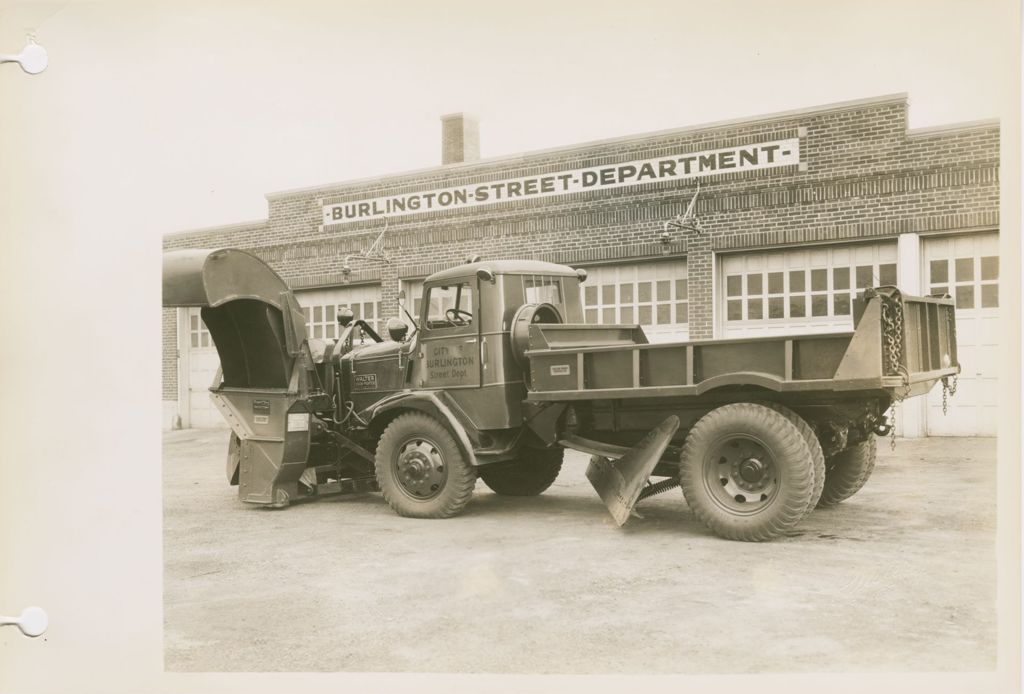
{"x": 967, "y": 267}
{"x": 655, "y": 295}
{"x": 798, "y": 291}
{"x": 320, "y": 307}
{"x": 203, "y": 363}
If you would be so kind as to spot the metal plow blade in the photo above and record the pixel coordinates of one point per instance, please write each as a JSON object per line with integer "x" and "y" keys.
{"x": 619, "y": 482}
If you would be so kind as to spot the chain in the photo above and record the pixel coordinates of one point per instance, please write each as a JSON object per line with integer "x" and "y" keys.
{"x": 948, "y": 391}
{"x": 892, "y": 325}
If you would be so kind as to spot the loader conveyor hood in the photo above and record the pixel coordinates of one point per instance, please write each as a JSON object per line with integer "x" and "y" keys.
{"x": 253, "y": 318}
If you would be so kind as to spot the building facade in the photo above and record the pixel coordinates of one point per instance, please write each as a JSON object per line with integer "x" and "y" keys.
{"x": 797, "y": 212}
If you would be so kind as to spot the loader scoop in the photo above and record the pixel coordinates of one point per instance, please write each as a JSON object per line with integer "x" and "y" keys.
{"x": 619, "y": 482}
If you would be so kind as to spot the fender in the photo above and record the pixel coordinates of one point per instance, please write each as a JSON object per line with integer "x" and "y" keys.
{"x": 439, "y": 405}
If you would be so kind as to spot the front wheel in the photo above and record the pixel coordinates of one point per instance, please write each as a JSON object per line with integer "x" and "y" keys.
{"x": 420, "y": 469}
{"x": 746, "y": 472}
{"x": 531, "y": 474}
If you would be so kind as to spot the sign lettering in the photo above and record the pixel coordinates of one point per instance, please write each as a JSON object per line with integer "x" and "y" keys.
{"x": 764, "y": 155}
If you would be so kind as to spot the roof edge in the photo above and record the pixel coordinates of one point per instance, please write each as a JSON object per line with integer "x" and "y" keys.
{"x": 217, "y": 228}
{"x": 982, "y": 124}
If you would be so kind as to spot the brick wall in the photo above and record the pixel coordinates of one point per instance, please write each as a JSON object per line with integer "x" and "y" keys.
{"x": 863, "y": 175}
{"x": 170, "y": 354}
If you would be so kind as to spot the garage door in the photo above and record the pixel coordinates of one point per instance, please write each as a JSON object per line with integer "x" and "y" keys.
{"x": 203, "y": 363}
{"x": 320, "y": 306}
{"x": 967, "y": 267}
{"x": 655, "y": 295}
{"x": 798, "y": 291}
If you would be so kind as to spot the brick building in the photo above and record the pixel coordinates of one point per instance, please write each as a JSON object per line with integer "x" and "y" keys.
{"x": 797, "y": 211}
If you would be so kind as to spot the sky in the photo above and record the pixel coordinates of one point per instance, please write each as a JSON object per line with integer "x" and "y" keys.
{"x": 199, "y": 109}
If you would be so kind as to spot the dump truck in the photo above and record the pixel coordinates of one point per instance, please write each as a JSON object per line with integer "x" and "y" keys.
{"x": 498, "y": 374}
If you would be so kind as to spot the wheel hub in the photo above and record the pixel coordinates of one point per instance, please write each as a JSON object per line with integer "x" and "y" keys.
{"x": 741, "y": 474}
{"x": 421, "y": 469}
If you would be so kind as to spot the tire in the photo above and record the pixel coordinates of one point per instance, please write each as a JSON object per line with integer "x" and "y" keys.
{"x": 531, "y": 474}
{"x": 847, "y": 471}
{"x": 813, "y": 444}
{"x": 421, "y": 470}
{"x": 767, "y": 466}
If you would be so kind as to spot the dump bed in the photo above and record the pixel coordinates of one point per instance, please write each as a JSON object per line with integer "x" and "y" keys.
{"x": 900, "y": 344}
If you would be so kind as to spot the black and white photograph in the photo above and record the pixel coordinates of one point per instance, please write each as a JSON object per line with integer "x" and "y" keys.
{"x": 555, "y": 346}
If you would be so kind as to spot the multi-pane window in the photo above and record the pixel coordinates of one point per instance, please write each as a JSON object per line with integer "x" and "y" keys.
{"x": 806, "y": 287}
{"x": 655, "y": 295}
{"x": 320, "y": 309}
{"x": 199, "y": 336}
{"x": 972, "y": 281}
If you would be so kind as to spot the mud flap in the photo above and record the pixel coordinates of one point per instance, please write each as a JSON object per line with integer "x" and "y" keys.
{"x": 619, "y": 482}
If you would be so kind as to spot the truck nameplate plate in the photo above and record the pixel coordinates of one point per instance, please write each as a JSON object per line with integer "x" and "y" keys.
{"x": 366, "y": 381}
{"x": 560, "y": 370}
{"x": 261, "y": 411}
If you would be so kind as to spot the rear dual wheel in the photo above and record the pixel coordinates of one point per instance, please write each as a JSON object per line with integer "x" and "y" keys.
{"x": 747, "y": 472}
{"x": 529, "y": 475}
{"x": 847, "y": 471}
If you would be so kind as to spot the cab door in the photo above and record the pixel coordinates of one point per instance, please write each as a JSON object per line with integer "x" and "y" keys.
{"x": 450, "y": 335}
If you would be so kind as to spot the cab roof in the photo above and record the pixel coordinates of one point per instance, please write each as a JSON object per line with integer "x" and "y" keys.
{"x": 504, "y": 267}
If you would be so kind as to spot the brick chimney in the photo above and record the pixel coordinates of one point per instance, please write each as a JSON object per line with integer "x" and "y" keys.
{"x": 460, "y": 138}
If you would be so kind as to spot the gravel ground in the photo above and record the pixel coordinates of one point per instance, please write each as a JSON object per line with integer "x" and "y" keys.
{"x": 899, "y": 578}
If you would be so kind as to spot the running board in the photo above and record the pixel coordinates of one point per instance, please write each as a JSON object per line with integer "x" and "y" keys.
{"x": 619, "y": 482}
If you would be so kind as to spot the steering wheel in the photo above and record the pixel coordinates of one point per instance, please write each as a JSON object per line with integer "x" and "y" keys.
{"x": 454, "y": 316}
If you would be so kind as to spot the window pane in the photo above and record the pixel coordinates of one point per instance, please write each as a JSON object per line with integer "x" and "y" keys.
{"x": 195, "y": 340}
{"x": 989, "y": 268}
{"x": 318, "y": 330}
{"x": 318, "y": 314}
{"x": 774, "y": 282}
{"x": 734, "y": 310}
{"x": 205, "y": 342}
{"x": 964, "y": 269}
{"x": 330, "y": 330}
{"x": 368, "y": 306}
{"x": 989, "y": 295}
{"x": 607, "y": 293}
{"x": 645, "y": 315}
{"x": 776, "y": 307}
{"x": 755, "y": 309}
{"x": 887, "y": 274}
{"x": 841, "y": 305}
{"x": 195, "y": 322}
{"x": 939, "y": 270}
{"x": 682, "y": 290}
{"x": 797, "y": 306}
{"x": 682, "y": 313}
{"x": 940, "y": 289}
{"x": 797, "y": 280}
{"x": 733, "y": 285}
{"x": 330, "y": 313}
{"x": 644, "y": 291}
{"x": 590, "y": 295}
{"x": 841, "y": 278}
{"x": 664, "y": 313}
{"x": 626, "y": 312}
{"x": 819, "y": 305}
{"x": 626, "y": 293}
{"x": 754, "y": 285}
{"x": 865, "y": 275}
{"x": 664, "y": 290}
{"x": 305, "y": 312}
{"x": 608, "y": 315}
{"x": 434, "y": 310}
{"x": 965, "y": 296}
{"x": 819, "y": 280}
{"x": 590, "y": 316}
